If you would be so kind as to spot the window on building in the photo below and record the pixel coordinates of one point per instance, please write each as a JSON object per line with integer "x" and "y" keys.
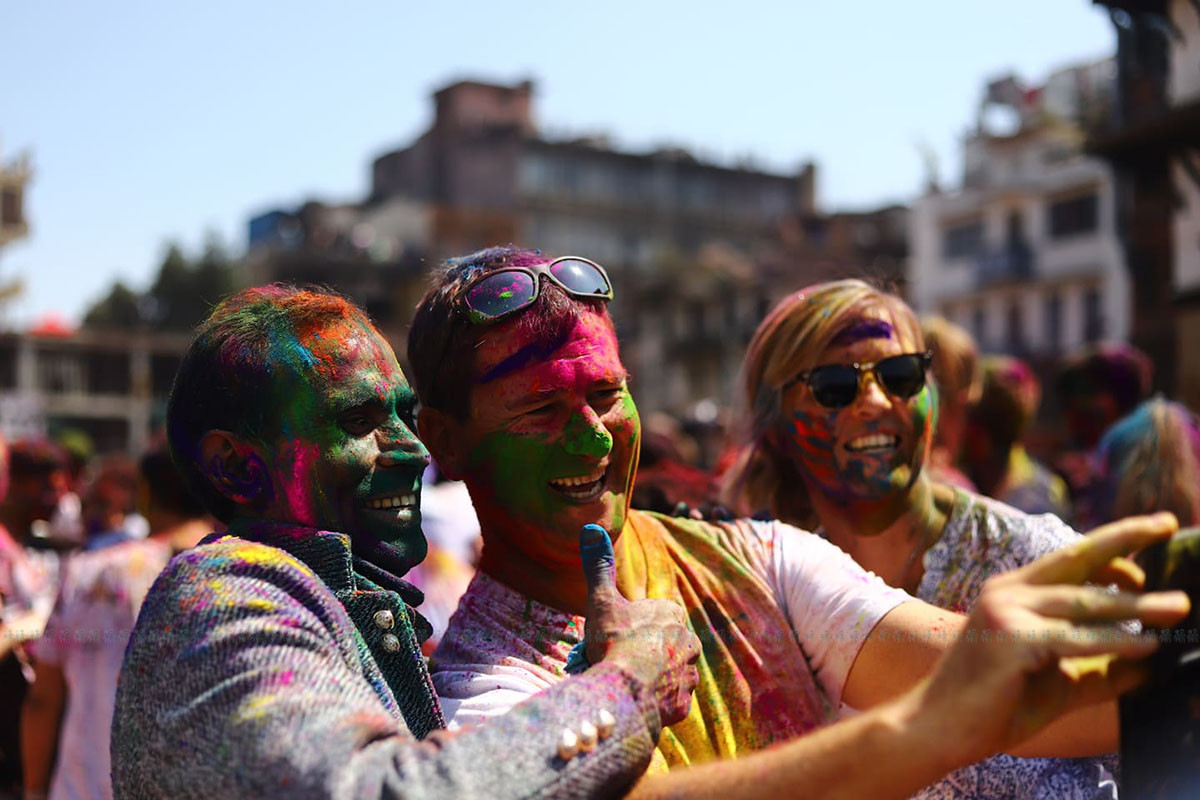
{"x": 731, "y": 311}
{"x": 60, "y": 372}
{"x": 107, "y": 372}
{"x": 1074, "y": 216}
{"x": 761, "y": 306}
{"x": 8, "y": 363}
{"x": 1093, "y": 315}
{"x": 962, "y": 241}
{"x": 698, "y": 319}
{"x": 1016, "y": 327}
{"x": 10, "y": 206}
{"x": 1053, "y": 317}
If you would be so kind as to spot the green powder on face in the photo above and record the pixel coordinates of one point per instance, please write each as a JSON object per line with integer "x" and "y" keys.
{"x": 582, "y": 438}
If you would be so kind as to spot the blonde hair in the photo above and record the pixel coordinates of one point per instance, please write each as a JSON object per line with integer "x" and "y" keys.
{"x": 955, "y": 359}
{"x": 789, "y": 341}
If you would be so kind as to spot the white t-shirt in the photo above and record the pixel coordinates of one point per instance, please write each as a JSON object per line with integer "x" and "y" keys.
{"x": 502, "y": 647}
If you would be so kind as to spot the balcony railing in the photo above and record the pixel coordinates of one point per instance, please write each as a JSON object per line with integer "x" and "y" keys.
{"x": 1010, "y": 264}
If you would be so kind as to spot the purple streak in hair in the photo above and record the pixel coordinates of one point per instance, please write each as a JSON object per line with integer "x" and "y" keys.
{"x": 864, "y": 329}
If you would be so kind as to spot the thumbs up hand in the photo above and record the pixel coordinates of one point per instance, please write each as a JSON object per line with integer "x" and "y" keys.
{"x": 647, "y": 638}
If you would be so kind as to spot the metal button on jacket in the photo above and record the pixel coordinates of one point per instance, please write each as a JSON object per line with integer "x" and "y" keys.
{"x": 384, "y": 619}
{"x": 390, "y": 643}
{"x": 568, "y": 745}
{"x": 587, "y": 736}
{"x": 606, "y": 723}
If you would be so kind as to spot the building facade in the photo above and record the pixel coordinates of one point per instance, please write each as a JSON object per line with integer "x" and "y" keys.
{"x": 1025, "y": 252}
{"x": 697, "y": 250}
{"x": 1152, "y": 141}
{"x": 112, "y": 386}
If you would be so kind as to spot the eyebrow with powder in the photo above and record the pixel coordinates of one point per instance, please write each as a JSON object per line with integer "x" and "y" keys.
{"x": 864, "y": 329}
{"x": 529, "y": 354}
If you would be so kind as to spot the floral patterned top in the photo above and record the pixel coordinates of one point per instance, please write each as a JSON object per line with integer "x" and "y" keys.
{"x": 984, "y": 537}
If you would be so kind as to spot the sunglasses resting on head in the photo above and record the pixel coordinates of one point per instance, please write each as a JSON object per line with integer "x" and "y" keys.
{"x": 504, "y": 292}
{"x": 836, "y": 385}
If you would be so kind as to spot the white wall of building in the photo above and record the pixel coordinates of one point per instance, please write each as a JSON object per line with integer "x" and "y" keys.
{"x": 1064, "y": 267}
{"x": 1187, "y": 227}
{"x": 1183, "y": 84}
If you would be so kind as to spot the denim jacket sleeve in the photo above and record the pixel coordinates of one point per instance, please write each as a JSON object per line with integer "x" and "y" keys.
{"x": 243, "y": 678}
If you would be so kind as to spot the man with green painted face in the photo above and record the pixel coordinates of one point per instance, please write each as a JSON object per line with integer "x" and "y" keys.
{"x": 524, "y": 397}
{"x": 282, "y": 658}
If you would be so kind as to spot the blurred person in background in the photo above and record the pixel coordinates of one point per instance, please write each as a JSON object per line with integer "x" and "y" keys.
{"x": 1149, "y": 459}
{"x": 838, "y": 423}
{"x": 38, "y": 480}
{"x": 66, "y": 524}
{"x": 955, "y": 369}
{"x": 994, "y": 454}
{"x": 109, "y": 503}
{"x": 452, "y": 531}
{"x": 668, "y": 473}
{"x": 15, "y": 672}
{"x": 35, "y": 478}
{"x": 1097, "y": 386}
{"x": 68, "y": 711}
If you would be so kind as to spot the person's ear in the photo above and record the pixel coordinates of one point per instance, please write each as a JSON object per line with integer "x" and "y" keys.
{"x": 235, "y": 468}
{"x": 440, "y": 433}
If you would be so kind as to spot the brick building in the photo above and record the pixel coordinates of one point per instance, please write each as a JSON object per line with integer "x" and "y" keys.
{"x": 697, "y": 250}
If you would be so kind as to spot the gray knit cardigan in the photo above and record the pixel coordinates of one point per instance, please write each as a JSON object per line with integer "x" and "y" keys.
{"x": 261, "y": 666}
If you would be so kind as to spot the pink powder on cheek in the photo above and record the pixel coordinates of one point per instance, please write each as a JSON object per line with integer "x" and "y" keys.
{"x": 298, "y": 480}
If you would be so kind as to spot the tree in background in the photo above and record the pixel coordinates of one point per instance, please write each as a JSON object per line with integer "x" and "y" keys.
{"x": 182, "y": 293}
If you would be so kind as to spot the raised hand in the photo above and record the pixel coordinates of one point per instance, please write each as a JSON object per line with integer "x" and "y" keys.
{"x": 1031, "y": 650}
{"x": 647, "y": 638}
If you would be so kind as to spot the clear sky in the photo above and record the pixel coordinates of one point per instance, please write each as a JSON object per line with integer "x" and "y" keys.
{"x": 153, "y": 121}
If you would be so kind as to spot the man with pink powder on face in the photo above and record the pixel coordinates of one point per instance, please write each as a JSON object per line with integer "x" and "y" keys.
{"x": 525, "y": 398}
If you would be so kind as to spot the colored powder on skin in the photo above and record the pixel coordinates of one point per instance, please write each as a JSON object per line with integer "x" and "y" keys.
{"x": 585, "y": 439}
{"x": 811, "y": 440}
{"x": 532, "y": 353}
{"x": 863, "y": 329}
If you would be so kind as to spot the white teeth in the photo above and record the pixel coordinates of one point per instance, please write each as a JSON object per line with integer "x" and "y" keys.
{"x": 395, "y": 501}
{"x": 875, "y": 440}
{"x": 579, "y": 481}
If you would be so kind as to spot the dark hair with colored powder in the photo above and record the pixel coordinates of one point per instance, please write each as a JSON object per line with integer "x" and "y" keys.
{"x": 1117, "y": 368}
{"x": 166, "y": 485}
{"x": 225, "y": 379}
{"x": 443, "y": 339}
{"x": 35, "y": 457}
{"x": 1150, "y": 461}
{"x": 1009, "y": 400}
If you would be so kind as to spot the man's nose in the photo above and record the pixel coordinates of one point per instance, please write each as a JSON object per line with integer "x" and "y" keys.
{"x": 399, "y": 446}
{"x": 587, "y": 435}
{"x": 871, "y": 394}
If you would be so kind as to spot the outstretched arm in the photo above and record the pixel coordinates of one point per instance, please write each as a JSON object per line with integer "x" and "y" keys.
{"x": 1026, "y": 657}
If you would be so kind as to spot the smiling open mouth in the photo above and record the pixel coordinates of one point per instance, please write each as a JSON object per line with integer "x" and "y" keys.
{"x": 400, "y": 507}
{"x": 392, "y": 501}
{"x": 876, "y": 442}
{"x": 583, "y": 488}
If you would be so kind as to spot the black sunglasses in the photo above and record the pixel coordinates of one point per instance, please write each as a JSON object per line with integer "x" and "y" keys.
{"x": 506, "y": 291}
{"x": 836, "y": 385}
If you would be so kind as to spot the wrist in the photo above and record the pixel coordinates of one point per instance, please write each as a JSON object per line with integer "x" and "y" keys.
{"x": 929, "y": 726}
{"x": 640, "y": 690}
